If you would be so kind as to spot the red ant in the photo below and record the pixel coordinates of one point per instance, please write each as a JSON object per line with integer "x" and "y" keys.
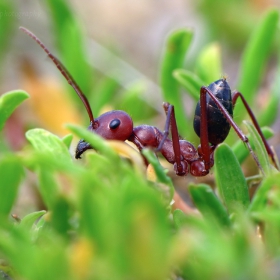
{"x": 212, "y": 122}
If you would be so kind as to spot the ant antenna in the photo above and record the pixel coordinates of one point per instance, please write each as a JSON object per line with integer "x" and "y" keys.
{"x": 63, "y": 71}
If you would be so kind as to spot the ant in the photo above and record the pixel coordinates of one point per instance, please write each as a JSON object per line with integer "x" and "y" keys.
{"x": 212, "y": 122}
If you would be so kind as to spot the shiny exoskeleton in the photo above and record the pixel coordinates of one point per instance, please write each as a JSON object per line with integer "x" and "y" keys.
{"x": 212, "y": 122}
{"x": 217, "y": 124}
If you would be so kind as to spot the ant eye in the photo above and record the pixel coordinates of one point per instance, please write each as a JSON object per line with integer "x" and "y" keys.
{"x": 114, "y": 123}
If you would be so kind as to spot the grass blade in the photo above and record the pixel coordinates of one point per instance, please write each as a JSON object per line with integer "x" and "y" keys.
{"x": 209, "y": 64}
{"x": 161, "y": 174}
{"x": 70, "y": 40}
{"x": 190, "y": 81}
{"x": 258, "y": 47}
{"x": 261, "y": 196}
{"x": 173, "y": 58}
{"x": 239, "y": 149}
{"x": 8, "y": 22}
{"x": 259, "y": 148}
{"x": 208, "y": 203}
{"x": 230, "y": 179}
{"x": 11, "y": 172}
{"x": 270, "y": 112}
{"x": 95, "y": 141}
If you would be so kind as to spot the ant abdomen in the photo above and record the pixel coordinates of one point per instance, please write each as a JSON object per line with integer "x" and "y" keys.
{"x": 217, "y": 124}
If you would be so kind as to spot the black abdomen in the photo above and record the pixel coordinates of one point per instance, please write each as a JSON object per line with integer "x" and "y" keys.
{"x": 218, "y": 126}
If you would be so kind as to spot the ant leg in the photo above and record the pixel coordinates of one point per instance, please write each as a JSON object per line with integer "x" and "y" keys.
{"x": 171, "y": 122}
{"x": 165, "y": 108}
{"x": 168, "y": 110}
{"x": 237, "y": 94}
{"x": 238, "y": 131}
{"x": 204, "y": 142}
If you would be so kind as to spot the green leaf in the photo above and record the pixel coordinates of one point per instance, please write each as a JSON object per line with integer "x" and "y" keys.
{"x": 259, "y": 148}
{"x": 49, "y": 144}
{"x": 192, "y": 222}
{"x": 261, "y": 196}
{"x": 255, "y": 56}
{"x": 61, "y": 215}
{"x": 95, "y": 141}
{"x": 270, "y": 218}
{"x": 177, "y": 45}
{"x": 161, "y": 174}
{"x": 11, "y": 172}
{"x": 67, "y": 140}
{"x": 270, "y": 112}
{"x": 239, "y": 149}
{"x": 28, "y": 221}
{"x": 209, "y": 63}
{"x": 208, "y": 203}
{"x": 8, "y": 103}
{"x": 190, "y": 81}
{"x": 48, "y": 186}
{"x": 179, "y": 218}
{"x": 230, "y": 179}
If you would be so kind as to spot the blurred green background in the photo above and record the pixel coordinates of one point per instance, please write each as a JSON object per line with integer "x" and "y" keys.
{"x": 103, "y": 224}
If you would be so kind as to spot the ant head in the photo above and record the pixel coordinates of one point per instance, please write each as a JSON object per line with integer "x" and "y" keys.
{"x": 113, "y": 125}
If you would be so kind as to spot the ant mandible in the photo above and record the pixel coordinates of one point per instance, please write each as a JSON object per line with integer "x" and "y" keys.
{"x": 212, "y": 123}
